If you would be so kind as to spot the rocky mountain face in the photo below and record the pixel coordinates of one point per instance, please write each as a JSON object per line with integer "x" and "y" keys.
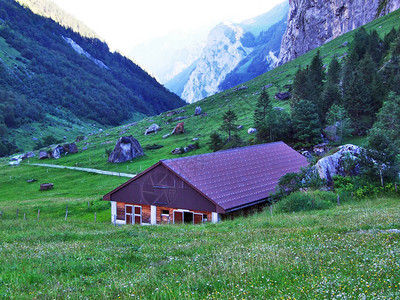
{"x": 312, "y": 23}
{"x": 242, "y": 51}
{"x": 224, "y": 50}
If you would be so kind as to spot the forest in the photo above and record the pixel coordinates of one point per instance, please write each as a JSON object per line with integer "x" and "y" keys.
{"x": 41, "y": 74}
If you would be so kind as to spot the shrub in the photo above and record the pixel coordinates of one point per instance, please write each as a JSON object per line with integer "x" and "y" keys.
{"x": 300, "y": 201}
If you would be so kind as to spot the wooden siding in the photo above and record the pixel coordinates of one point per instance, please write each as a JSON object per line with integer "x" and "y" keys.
{"x": 160, "y": 218}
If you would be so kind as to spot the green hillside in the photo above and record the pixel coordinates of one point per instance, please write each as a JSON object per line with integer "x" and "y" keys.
{"x": 52, "y": 77}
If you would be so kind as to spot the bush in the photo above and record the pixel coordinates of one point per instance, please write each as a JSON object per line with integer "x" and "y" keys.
{"x": 300, "y": 201}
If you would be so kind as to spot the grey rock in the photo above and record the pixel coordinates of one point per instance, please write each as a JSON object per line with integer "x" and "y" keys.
{"x": 197, "y": 111}
{"x": 166, "y": 136}
{"x": 28, "y": 155}
{"x": 251, "y": 130}
{"x": 44, "y": 155}
{"x": 283, "y": 96}
{"x": 153, "y": 128}
{"x": 332, "y": 165}
{"x": 57, "y": 152}
{"x": 126, "y": 148}
{"x": 240, "y": 127}
{"x": 312, "y": 23}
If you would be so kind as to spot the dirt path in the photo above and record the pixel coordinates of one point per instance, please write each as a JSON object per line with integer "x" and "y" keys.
{"x": 87, "y": 170}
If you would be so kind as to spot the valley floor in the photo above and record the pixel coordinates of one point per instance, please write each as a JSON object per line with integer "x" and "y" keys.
{"x": 348, "y": 252}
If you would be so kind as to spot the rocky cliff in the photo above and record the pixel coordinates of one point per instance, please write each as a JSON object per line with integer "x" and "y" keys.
{"x": 312, "y": 23}
{"x": 222, "y": 53}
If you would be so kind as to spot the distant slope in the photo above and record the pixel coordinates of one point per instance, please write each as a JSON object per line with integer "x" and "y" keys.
{"x": 50, "y": 72}
{"x": 242, "y": 50}
{"x": 49, "y": 9}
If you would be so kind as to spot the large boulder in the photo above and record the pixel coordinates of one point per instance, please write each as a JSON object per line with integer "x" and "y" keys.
{"x": 153, "y": 128}
{"x": 126, "y": 148}
{"x": 57, "y": 151}
{"x": 179, "y": 128}
{"x": 283, "y": 96}
{"x": 197, "y": 111}
{"x": 335, "y": 164}
{"x": 251, "y": 130}
{"x": 27, "y": 155}
{"x": 71, "y": 148}
{"x": 44, "y": 155}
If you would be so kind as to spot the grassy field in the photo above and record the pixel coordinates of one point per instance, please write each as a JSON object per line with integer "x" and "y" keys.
{"x": 347, "y": 252}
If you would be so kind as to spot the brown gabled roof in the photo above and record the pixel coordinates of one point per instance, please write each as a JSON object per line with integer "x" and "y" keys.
{"x": 238, "y": 177}
{"x": 233, "y": 178}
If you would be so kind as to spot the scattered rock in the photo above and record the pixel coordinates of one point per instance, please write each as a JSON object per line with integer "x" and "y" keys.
{"x": 243, "y": 87}
{"x": 180, "y": 118}
{"x": 279, "y": 108}
{"x": 126, "y": 148}
{"x": 166, "y": 135}
{"x": 44, "y": 155}
{"x": 283, "y": 96}
{"x": 251, "y": 130}
{"x": 80, "y": 138}
{"x": 34, "y": 138}
{"x": 195, "y": 139}
{"x": 46, "y": 186}
{"x": 174, "y": 112}
{"x": 57, "y": 152}
{"x": 197, "y": 111}
{"x": 84, "y": 148}
{"x": 64, "y": 137}
{"x": 179, "y": 128}
{"x": 153, "y": 128}
{"x": 28, "y": 155}
{"x": 267, "y": 86}
{"x": 177, "y": 151}
{"x": 31, "y": 180}
{"x": 240, "y": 127}
{"x": 320, "y": 148}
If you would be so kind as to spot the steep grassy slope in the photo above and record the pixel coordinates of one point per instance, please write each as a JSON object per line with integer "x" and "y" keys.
{"x": 242, "y": 102}
{"x": 48, "y": 72}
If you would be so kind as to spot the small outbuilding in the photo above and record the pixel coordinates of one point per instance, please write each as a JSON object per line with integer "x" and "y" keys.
{"x": 201, "y": 188}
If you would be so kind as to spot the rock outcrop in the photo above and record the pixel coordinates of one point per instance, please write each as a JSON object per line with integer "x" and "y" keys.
{"x": 179, "y": 128}
{"x": 153, "y": 128}
{"x": 335, "y": 164}
{"x": 312, "y": 23}
{"x": 126, "y": 148}
{"x": 224, "y": 50}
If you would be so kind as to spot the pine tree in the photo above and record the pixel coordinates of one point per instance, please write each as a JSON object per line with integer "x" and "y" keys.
{"x": 334, "y": 70}
{"x": 316, "y": 85}
{"x": 262, "y": 117}
{"x": 215, "y": 143}
{"x": 228, "y": 124}
{"x": 301, "y": 85}
{"x": 306, "y": 125}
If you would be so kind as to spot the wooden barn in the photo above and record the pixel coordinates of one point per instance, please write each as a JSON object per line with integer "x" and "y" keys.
{"x": 197, "y": 189}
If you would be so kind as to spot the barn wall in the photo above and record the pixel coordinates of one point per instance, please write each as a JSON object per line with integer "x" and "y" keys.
{"x": 161, "y": 219}
{"x": 162, "y": 188}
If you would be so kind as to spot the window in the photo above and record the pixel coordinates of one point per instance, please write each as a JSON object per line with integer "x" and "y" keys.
{"x": 165, "y": 212}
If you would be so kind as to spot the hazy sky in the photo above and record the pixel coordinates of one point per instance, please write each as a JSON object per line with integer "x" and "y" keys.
{"x": 127, "y": 23}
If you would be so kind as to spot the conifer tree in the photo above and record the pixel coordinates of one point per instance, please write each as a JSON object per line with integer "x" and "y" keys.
{"x": 306, "y": 125}
{"x": 229, "y": 124}
{"x": 262, "y": 117}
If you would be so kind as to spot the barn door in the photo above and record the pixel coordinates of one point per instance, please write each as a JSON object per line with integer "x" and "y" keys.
{"x": 133, "y": 214}
{"x": 178, "y": 217}
{"x": 128, "y": 214}
{"x": 137, "y": 215}
{"x": 198, "y": 218}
